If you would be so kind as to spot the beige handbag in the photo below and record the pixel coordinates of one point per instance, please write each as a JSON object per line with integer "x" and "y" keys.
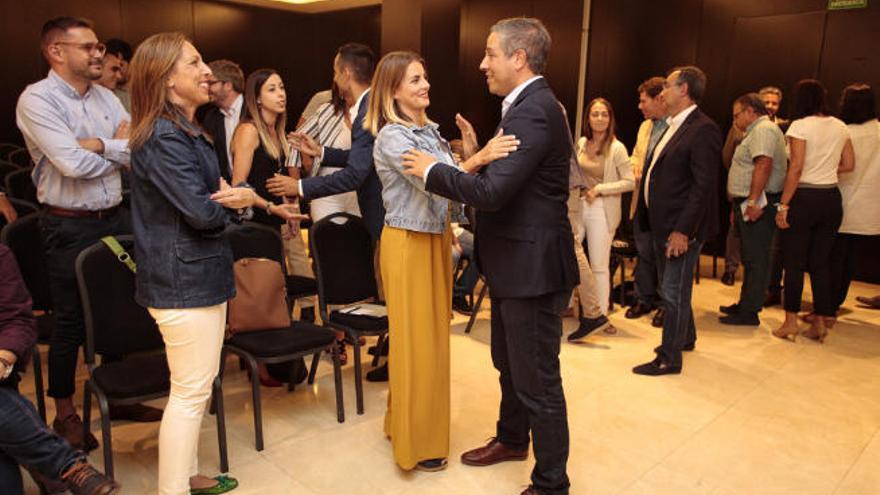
{"x": 260, "y": 302}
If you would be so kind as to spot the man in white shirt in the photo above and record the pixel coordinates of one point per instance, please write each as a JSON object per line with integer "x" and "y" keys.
{"x": 227, "y": 88}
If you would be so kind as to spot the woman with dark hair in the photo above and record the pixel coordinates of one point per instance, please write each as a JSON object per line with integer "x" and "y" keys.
{"x": 810, "y": 210}
{"x": 415, "y": 259}
{"x": 607, "y": 171}
{"x": 861, "y": 210}
{"x": 180, "y": 207}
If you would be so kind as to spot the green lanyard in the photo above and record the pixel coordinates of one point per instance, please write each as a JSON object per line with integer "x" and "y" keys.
{"x": 121, "y": 254}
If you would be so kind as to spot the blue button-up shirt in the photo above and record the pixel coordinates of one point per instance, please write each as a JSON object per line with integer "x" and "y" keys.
{"x": 52, "y": 116}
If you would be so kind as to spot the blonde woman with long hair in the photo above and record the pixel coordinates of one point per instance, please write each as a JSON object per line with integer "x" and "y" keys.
{"x": 180, "y": 207}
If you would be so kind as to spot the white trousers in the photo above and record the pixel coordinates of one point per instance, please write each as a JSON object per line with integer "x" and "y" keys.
{"x": 599, "y": 237}
{"x": 587, "y": 288}
{"x": 193, "y": 340}
{"x": 338, "y": 203}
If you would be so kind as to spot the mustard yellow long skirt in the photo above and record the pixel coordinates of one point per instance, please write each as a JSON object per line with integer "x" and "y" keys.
{"x": 417, "y": 278}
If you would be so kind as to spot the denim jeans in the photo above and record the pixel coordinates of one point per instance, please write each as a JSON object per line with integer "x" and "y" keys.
{"x": 25, "y": 439}
{"x": 676, "y": 285}
{"x": 646, "y": 272}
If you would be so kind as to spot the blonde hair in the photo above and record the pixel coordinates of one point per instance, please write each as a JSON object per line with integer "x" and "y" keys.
{"x": 383, "y": 107}
{"x": 150, "y": 67}
{"x": 253, "y": 87}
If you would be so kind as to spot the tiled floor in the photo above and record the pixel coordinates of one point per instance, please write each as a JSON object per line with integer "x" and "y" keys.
{"x": 751, "y": 414}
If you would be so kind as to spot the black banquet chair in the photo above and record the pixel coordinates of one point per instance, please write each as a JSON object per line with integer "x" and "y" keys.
{"x": 116, "y": 325}
{"x": 343, "y": 252}
{"x": 19, "y": 185}
{"x": 23, "y": 238}
{"x": 276, "y": 345}
{"x": 20, "y": 157}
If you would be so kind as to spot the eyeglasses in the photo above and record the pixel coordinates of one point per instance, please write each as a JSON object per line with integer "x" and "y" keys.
{"x": 100, "y": 48}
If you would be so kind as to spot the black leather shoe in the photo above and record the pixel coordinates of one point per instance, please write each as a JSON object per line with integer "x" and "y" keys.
{"x": 689, "y": 347}
{"x": 773, "y": 298}
{"x": 588, "y": 326}
{"x": 656, "y": 367}
{"x": 728, "y": 278}
{"x": 638, "y": 309}
{"x": 729, "y": 310}
{"x": 432, "y": 465}
{"x": 750, "y": 319}
{"x": 657, "y": 320}
{"x": 379, "y": 374}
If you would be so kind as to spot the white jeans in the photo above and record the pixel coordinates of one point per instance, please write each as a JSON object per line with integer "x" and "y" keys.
{"x": 599, "y": 238}
{"x": 338, "y": 203}
{"x": 193, "y": 340}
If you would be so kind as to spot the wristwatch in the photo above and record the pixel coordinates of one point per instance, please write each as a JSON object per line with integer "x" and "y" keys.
{"x": 781, "y": 207}
{"x": 751, "y": 202}
{"x": 269, "y": 206}
{"x": 7, "y": 369}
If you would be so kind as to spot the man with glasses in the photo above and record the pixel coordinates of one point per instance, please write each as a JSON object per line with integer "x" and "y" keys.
{"x": 226, "y": 87}
{"x": 77, "y": 135}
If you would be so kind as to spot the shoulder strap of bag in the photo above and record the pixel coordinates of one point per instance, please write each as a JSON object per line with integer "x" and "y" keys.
{"x": 121, "y": 254}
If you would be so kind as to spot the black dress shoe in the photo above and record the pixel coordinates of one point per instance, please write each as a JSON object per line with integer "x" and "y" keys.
{"x": 638, "y": 309}
{"x": 656, "y": 367}
{"x": 773, "y": 298}
{"x": 728, "y": 278}
{"x": 379, "y": 374}
{"x": 657, "y": 320}
{"x": 750, "y": 319}
{"x": 588, "y": 326}
{"x": 432, "y": 465}
{"x": 689, "y": 347}
{"x": 729, "y": 310}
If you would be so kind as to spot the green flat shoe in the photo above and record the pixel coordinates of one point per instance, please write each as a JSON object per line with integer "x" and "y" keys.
{"x": 224, "y": 484}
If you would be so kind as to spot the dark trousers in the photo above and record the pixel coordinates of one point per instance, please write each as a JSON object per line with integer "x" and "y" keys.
{"x": 645, "y": 273}
{"x": 843, "y": 266}
{"x": 63, "y": 239}
{"x": 775, "y": 284}
{"x": 26, "y": 440}
{"x": 526, "y": 336}
{"x": 733, "y": 246}
{"x": 814, "y": 217}
{"x": 677, "y": 285}
{"x": 757, "y": 238}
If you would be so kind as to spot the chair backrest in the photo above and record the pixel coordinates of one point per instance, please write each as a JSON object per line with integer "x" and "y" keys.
{"x": 24, "y": 239}
{"x": 115, "y": 323}
{"x": 343, "y": 251}
{"x": 7, "y": 168}
{"x": 20, "y": 157}
{"x": 254, "y": 240}
{"x": 20, "y": 185}
{"x": 7, "y": 148}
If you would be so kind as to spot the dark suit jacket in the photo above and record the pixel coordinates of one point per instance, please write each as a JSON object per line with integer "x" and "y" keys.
{"x": 683, "y": 192}
{"x": 358, "y": 174}
{"x": 214, "y": 125}
{"x": 523, "y": 238}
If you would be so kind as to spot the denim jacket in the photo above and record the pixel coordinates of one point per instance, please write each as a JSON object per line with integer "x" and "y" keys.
{"x": 407, "y": 205}
{"x": 183, "y": 258}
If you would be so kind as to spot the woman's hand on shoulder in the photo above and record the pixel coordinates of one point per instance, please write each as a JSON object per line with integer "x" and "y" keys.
{"x": 498, "y": 147}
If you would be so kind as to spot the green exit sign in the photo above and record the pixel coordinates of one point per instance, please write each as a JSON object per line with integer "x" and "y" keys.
{"x": 847, "y": 4}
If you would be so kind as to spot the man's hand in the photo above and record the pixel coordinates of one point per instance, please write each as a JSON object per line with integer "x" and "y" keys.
{"x": 235, "y": 197}
{"x": 94, "y": 145}
{"x": 753, "y": 213}
{"x": 468, "y": 136}
{"x": 282, "y": 185}
{"x": 7, "y": 210}
{"x": 677, "y": 245}
{"x": 416, "y": 162}
{"x": 122, "y": 130}
{"x": 304, "y": 143}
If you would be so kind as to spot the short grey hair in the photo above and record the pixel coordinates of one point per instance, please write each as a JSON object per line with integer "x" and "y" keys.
{"x": 527, "y": 34}
{"x": 753, "y": 101}
{"x": 694, "y": 77}
{"x": 770, "y": 90}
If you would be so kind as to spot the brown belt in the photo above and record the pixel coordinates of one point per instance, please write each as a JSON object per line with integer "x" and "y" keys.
{"x": 64, "y": 212}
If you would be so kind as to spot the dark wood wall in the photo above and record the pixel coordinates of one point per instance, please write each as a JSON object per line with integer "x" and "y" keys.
{"x": 300, "y": 46}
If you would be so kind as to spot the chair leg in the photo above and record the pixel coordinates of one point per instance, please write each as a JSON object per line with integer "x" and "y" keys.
{"x": 622, "y": 281}
{"x": 358, "y": 383}
{"x": 212, "y": 407}
{"x": 379, "y": 343}
{"x": 38, "y": 384}
{"x": 217, "y": 405}
{"x": 104, "y": 407}
{"x": 258, "y": 409}
{"x": 337, "y": 383}
{"x": 313, "y": 369}
{"x": 476, "y": 310}
{"x": 87, "y": 408}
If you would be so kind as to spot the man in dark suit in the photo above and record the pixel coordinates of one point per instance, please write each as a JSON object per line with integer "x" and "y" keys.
{"x": 225, "y": 111}
{"x": 524, "y": 248}
{"x": 352, "y": 72}
{"x": 678, "y": 204}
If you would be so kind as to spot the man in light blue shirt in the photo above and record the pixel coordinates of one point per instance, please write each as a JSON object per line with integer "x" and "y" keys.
{"x": 77, "y": 135}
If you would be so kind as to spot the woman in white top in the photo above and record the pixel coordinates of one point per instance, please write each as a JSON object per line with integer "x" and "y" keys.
{"x": 607, "y": 171}
{"x": 810, "y": 210}
{"x": 861, "y": 209}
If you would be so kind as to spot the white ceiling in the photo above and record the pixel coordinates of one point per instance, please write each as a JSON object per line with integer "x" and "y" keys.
{"x": 308, "y": 6}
